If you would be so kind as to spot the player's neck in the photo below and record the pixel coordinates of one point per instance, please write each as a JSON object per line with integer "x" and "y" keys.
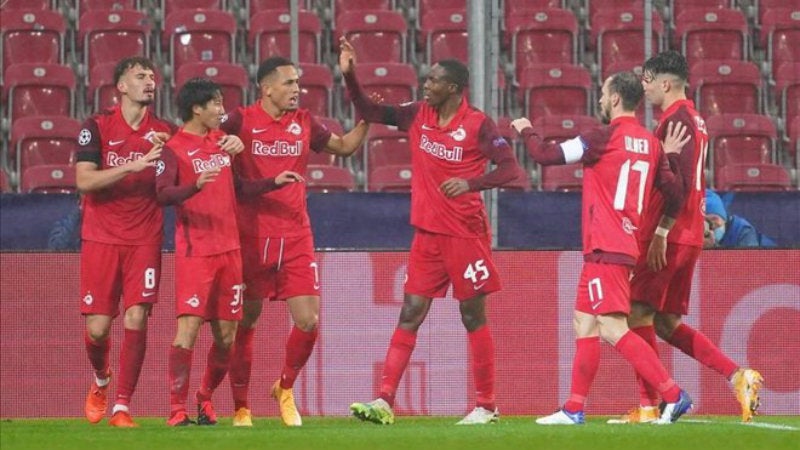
{"x": 669, "y": 100}
{"x": 195, "y": 127}
{"x": 272, "y": 109}
{"x": 133, "y": 113}
{"x": 448, "y": 109}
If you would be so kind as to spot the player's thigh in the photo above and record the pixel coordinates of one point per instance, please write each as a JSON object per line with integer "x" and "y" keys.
{"x": 226, "y": 299}
{"x": 426, "y": 273}
{"x": 648, "y": 286}
{"x": 258, "y": 275}
{"x": 101, "y": 278}
{"x": 194, "y": 283}
{"x": 470, "y": 266}
{"x": 603, "y": 289}
{"x": 141, "y": 272}
{"x": 676, "y": 300}
{"x": 298, "y": 273}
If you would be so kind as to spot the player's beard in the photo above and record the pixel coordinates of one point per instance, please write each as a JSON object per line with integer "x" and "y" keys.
{"x": 605, "y": 114}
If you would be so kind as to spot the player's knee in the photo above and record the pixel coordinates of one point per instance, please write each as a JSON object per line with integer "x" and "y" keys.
{"x": 97, "y": 334}
{"x": 307, "y": 323}
{"x": 136, "y": 317}
{"x": 665, "y": 325}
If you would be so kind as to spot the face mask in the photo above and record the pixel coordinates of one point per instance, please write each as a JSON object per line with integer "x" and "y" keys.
{"x": 719, "y": 232}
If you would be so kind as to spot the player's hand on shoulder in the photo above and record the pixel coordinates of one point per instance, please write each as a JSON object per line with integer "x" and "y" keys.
{"x": 454, "y": 187}
{"x": 207, "y": 176}
{"x": 347, "y": 55}
{"x": 231, "y": 144}
{"x": 287, "y": 176}
{"x": 520, "y": 124}
{"x": 677, "y": 136}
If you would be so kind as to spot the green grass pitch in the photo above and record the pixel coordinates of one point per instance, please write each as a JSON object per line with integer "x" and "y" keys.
{"x": 430, "y": 433}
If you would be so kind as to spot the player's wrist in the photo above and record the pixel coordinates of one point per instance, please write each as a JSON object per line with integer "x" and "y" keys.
{"x": 662, "y": 232}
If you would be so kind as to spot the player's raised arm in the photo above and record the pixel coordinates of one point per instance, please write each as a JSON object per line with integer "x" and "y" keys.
{"x": 546, "y": 154}
{"x": 351, "y": 141}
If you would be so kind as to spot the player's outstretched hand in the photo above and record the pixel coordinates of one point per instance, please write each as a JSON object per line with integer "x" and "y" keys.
{"x": 347, "y": 56}
{"x": 454, "y": 187}
{"x": 231, "y": 144}
{"x": 207, "y": 176}
{"x": 287, "y": 176}
{"x": 520, "y": 124}
{"x": 148, "y": 160}
{"x": 677, "y": 136}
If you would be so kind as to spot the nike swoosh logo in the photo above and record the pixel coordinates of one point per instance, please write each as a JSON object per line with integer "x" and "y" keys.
{"x": 235, "y": 311}
{"x": 478, "y": 286}
{"x": 192, "y": 152}
{"x": 148, "y": 294}
{"x": 112, "y": 143}
{"x": 425, "y": 127}
{"x": 257, "y": 130}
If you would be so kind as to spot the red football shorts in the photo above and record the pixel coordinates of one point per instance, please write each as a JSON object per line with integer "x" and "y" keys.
{"x": 438, "y": 260}
{"x": 667, "y": 290}
{"x": 604, "y": 289}
{"x": 109, "y": 271}
{"x": 279, "y": 268}
{"x": 209, "y": 286}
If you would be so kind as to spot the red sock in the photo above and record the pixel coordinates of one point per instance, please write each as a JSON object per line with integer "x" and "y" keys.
{"x": 240, "y": 366}
{"x": 219, "y": 359}
{"x": 481, "y": 346}
{"x": 180, "y": 367}
{"x": 698, "y": 346}
{"x": 648, "y": 395}
{"x": 298, "y": 348}
{"x": 98, "y": 355}
{"x": 646, "y": 363}
{"x": 584, "y": 369}
{"x": 400, "y": 348}
{"x": 131, "y": 356}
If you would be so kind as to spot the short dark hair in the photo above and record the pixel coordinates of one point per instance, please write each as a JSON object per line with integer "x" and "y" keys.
{"x": 629, "y": 87}
{"x": 270, "y": 64}
{"x": 196, "y": 92}
{"x": 670, "y": 62}
{"x": 129, "y": 63}
{"x": 455, "y": 72}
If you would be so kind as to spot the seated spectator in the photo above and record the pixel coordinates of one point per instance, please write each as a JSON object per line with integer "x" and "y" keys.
{"x": 723, "y": 230}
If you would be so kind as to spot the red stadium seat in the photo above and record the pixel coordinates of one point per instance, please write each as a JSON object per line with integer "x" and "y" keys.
{"x": 105, "y": 35}
{"x": 741, "y": 139}
{"x": 84, "y": 6}
{"x": 724, "y": 87}
{"x": 394, "y": 178}
{"x": 269, "y": 35}
{"x": 396, "y": 83}
{"x": 780, "y": 35}
{"x": 765, "y": 6}
{"x": 678, "y": 7}
{"x": 555, "y": 89}
{"x": 793, "y": 151}
{"x": 326, "y": 178}
{"x": 512, "y": 7}
{"x": 618, "y": 35}
{"x": 48, "y": 179}
{"x": 595, "y": 7}
{"x": 170, "y": 6}
{"x": 567, "y": 178}
{"x": 385, "y": 146}
{"x": 43, "y": 140}
{"x": 709, "y": 34}
{"x": 39, "y": 90}
{"x": 548, "y": 36}
{"x": 5, "y": 183}
{"x": 377, "y": 36}
{"x": 232, "y": 78}
{"x": 31, "y": 36}
{"x": 256, "y": 6}
{"x": 200, "y": 36}
{"x": 425, "y": 7}
{"x": 787, "y": 87}
{"x": 341, "y": 6}
{"x": 29, "y": 5}
{"x": 560, "y": 128}
{"x": 316, "y": 89}
{"x": 445, "y": 35}
{"x": 753, "y": 177}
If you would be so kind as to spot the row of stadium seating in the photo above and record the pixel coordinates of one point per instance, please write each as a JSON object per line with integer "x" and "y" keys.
{"x": 544, "y": 91}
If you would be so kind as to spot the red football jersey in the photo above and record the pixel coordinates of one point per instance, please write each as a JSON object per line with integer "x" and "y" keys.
{"x": 461, "y": 149}
{"x": 620, "y": 161}
{"x": 206, "y": 220}
{"x": 271, "y": 147}
{"x": 688, "y": 228}
{"x": 126, "y": 212}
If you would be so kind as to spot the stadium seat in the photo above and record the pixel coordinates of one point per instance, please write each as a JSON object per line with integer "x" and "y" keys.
{"x": 256, "y": 6}
{"x": 232, "y": 78}
{"x": 340, "y": 6}
{"x": 30, "y": 5}
{"x": 200, "y": 36}
{"x": 726, "y": 87}
{"x": 31, "y": 36}
{"x": 793, "y": 150}
{"x": 5, "y": 183}
{"x": 48, "y": 179}
{"x": 764, "y": 6}
{"x": 43, "y": 140}
{"x": 566, "y": 178}
{"x": 752, "y": 177}
{"x": 385, "y": 146}
{"x": 548, "y": 36}
{"x": 393, "y": 178}
{"x": 780, "y": 35}
{"x": 712, "y": 34}
{"x": 595, "y": 7}
{"x": 377, "y": 36}
{"x": 105, "y": 35}
{"x": 618, "y": 36}
{"x": 39, "y": 90}
{"x": 396, "y": 83}
{"x": 445, "y": 36}
{"x": 555, "y": 89}
{"x": 557, "y": 128}
{"x": 269, "y": 35}
{"x": 84, "y": 6}
{"x": 787, "y": 87}
{"x": 678, "y": 7}
{"x": 512, "y": 7}
{"x": 316, "y": 89}
{"x": 170, "y": 6}
{"x": 741, "y": 139}
{"x": 425, "y": 7}
{"x": 101, "y": 93}
{"x": 327, "y": 178}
